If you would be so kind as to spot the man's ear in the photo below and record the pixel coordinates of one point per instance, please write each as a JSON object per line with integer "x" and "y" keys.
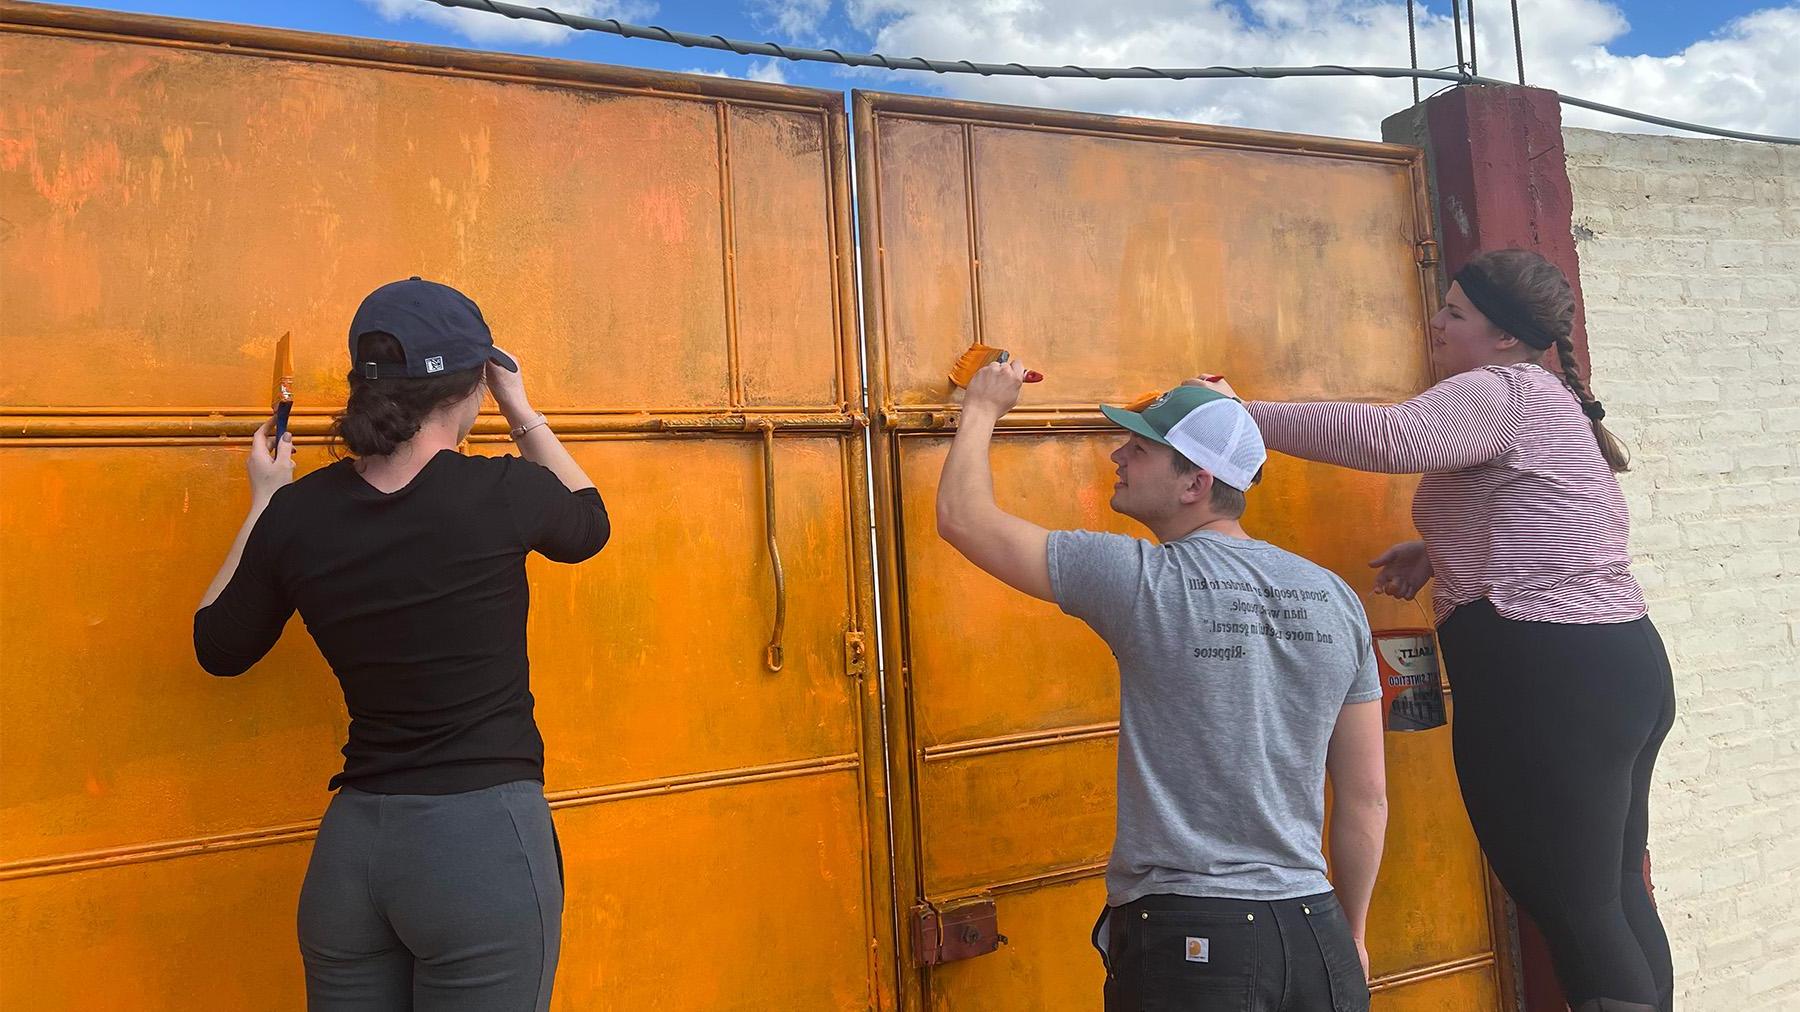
{"x": 1199, "y": 487}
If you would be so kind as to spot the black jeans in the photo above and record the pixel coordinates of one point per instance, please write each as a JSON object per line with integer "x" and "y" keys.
{"x": 1556, "y": 732}
{"x": 1195, "y": 954}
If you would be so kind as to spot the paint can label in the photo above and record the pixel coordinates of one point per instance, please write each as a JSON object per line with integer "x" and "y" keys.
{"x": 1412, "y": 697}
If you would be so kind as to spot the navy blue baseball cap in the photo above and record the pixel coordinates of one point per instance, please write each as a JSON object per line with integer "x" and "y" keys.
{"x": 439, "y": 328}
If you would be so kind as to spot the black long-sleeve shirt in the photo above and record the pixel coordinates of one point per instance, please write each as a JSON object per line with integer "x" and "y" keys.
{"x": 418, "y": 601}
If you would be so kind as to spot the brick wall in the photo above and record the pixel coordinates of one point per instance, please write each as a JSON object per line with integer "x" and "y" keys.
{"x": 1690, "y": 264}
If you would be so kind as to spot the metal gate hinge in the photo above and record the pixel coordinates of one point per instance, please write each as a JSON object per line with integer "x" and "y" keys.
{"x": 1428, "y": 252}
{"x": 960, "y": 930}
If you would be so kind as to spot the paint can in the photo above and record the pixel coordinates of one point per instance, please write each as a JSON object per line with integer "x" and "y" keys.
{"x": 1412, "y": 696}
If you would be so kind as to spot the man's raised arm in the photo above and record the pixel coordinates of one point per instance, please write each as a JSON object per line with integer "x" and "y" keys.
{"x": 1011, "y": 549}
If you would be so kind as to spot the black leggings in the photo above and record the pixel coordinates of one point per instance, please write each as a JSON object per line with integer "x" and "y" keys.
{"x": 1555, "y": 734}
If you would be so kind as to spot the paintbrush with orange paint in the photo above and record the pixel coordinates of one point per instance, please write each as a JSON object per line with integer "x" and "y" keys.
{"x": 282, "y": 396}
{"x": 978, "y": 357}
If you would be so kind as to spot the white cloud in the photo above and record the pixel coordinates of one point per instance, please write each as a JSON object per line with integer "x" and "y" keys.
{"x": 489, "y": 29}
{"x": 798, "y": 21}
{"x": 767, "y": 71}
{"x": 1741, "y": 78}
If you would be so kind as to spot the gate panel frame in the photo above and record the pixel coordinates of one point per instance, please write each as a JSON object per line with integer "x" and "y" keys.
{"x": 890, "y": 423}
{"x": 26, "y": 426}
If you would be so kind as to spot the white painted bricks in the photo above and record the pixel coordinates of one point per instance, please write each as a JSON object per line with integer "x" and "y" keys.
{"x": 1690, "y": 267}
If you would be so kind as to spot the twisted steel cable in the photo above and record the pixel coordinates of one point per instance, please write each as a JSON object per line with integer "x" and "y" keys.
{"x": 689, "y": 40}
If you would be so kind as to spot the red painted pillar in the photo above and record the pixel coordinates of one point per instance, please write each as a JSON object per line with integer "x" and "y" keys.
{"x": 1494, "y": 157}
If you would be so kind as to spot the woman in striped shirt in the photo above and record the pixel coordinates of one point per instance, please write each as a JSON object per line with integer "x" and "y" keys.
{"x": 1563, "y": 689}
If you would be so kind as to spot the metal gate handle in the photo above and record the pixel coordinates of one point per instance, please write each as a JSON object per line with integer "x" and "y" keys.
{"x": 772, "y": 657}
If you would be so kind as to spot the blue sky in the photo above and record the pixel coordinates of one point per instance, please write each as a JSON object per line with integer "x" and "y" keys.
{"x": 1665, "y": 27}
{"x": 1641, "y": 53}
{"x": 1657, "y": 28}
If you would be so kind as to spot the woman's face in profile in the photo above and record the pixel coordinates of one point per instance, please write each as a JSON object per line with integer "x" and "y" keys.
{"x": 1462, "y": 338}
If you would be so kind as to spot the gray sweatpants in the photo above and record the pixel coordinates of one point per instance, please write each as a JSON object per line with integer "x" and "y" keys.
{"x": 433, "y": 902}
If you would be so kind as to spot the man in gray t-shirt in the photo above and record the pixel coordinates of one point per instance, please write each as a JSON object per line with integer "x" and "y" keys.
{"x": 1245, "y": 674}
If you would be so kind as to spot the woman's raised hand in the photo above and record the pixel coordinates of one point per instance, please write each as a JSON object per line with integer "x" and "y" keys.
{"x": 508, "y": 388}
{"x": 270, "y": 468}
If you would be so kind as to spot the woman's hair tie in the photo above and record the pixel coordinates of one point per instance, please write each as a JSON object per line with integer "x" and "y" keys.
{"x": 1593, "y": 410}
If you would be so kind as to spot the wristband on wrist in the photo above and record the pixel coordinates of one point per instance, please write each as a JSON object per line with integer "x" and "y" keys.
{"x": 519, "y": 432}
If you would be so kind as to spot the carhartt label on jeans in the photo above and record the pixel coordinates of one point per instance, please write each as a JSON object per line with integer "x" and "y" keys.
{"x": 1199, "y": 950}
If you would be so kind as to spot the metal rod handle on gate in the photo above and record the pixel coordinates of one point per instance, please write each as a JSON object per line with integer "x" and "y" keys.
{"x": 772, "y": 657}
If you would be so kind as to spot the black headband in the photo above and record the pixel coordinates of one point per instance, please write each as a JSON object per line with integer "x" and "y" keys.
{"x": 1499, "y": 308}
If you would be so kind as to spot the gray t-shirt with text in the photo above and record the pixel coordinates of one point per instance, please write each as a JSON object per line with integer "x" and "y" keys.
{"x": 1235, "y": 657}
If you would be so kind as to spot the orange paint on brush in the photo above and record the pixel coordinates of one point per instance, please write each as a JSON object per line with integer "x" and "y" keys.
{"x": 978, "y": 357}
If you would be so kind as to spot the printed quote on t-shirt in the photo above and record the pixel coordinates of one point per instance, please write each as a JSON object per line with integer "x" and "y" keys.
{"x": 1275, "y": 613}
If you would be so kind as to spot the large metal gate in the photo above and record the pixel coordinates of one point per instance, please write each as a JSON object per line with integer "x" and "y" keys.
{"x": 1119, "y": 256}
{"x": 670, "y": 258}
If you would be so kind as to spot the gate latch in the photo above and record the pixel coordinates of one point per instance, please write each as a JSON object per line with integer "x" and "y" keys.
{"x": 961, "y": 930}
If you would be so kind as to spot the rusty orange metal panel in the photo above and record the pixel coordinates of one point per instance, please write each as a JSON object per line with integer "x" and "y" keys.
{"x": 1464, "y": 989}
{"x": 962, "y": 689}
{"x": 1041, "y": 966}
{"x": 970, "y": 701}
{"x": 216, "y": 930}
{"x": 784, "y": 273}
{"x": 210, "y": 931}
{"x": 1120, "y": 256}
{"x": 667, "y": 255}
{"x": 114, "y": 737}
{"x": 1431, "y": 897}
{"x": 110, "y": 761}
{"x": 738, "y": 897}
{"x": 683, "y": 645}
{"x": 604, "y": 264}
{"x": 1140, "y": 256}
{"x": 1015, "y": 811}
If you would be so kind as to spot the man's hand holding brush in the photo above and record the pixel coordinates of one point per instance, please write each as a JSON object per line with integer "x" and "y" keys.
{"x": 993, "y": 391}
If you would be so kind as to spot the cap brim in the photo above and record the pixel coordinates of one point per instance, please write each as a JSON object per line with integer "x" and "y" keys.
{"x": 1133, "y": 421}
{"x": 502, "y": 359}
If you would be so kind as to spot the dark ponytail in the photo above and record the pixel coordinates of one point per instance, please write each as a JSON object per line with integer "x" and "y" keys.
{"x": 381, "y": 414}
{"x": 1537, "y": 288}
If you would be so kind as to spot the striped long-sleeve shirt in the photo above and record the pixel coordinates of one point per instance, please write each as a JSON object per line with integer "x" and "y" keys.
{"x": 1516, "y": 503}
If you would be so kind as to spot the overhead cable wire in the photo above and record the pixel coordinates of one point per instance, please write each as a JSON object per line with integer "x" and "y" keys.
{"x": 689, "y": 40}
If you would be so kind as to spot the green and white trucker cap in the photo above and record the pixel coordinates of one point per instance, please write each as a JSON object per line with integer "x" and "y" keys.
{"x": 1205, "y": 426}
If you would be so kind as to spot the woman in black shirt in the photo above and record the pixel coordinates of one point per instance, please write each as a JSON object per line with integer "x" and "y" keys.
{"x": 435, "y": 881}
